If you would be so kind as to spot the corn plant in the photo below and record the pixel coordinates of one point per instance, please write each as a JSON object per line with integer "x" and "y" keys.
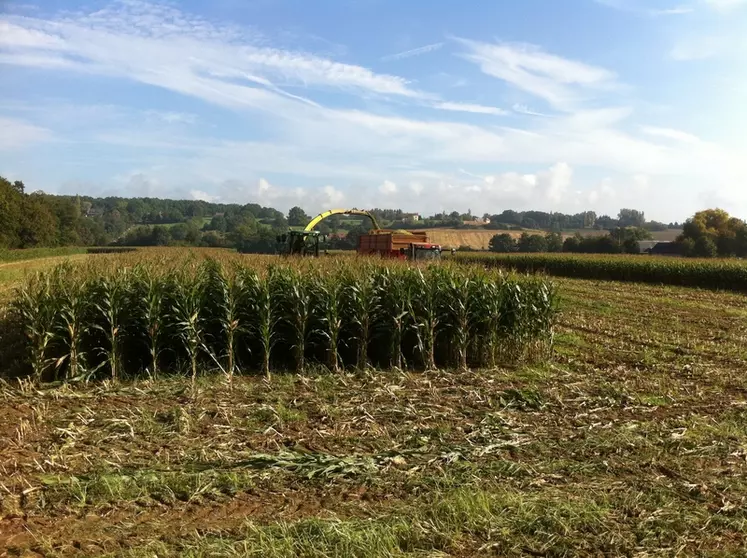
{"x": 72, "y": 321}
{"x": 393, "y": 294}
{"x": 295, "y": 302}
{"x": 36, "y": 308}
{"x": 424, "y": 309}
{"x": 223, "y": 300}
{"x": 265, "y": 314}
{"x": 487, "y": 304}
{"x": 149, "y": 304}
{"x": 111, "y": 303}
{"x": 359, "y": 308}
{"x": 186, "y": 313}
{"x": 455, "y": 313}
{"x": 328, "y": 311}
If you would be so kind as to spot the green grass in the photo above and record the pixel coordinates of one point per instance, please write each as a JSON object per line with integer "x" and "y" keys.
{"x": 10, "y": 256}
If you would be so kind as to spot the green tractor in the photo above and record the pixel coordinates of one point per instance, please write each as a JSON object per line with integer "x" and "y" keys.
{"x": 300, "y": 243}
{"x": 306, "y": 242}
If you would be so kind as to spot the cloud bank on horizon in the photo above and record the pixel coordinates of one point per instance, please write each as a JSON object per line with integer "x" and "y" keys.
{"x": 589, "y": 104}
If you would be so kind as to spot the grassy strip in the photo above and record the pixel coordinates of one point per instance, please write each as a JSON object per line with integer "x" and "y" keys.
{"x": 9, "y": 256}
{"x": 470, "y": 521}
{"x": 710, "y": 274}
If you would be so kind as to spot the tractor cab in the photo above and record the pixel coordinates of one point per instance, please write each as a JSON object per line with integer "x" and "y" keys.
{"x": 300, "y": 243}
{"x": 426, "y": 251}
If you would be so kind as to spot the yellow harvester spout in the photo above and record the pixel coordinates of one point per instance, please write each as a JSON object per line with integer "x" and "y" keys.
{"x": 319, "y": 218}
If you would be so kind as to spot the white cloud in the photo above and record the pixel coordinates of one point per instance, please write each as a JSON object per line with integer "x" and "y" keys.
{"x": 413, "y": 52}
{"x": 699, "y": 47}
{"x": 644, "y": 7}
{"x": 15, "y": 134}
{"x": 469, "y": 107}
{"x": 555, "y": 182}
{"x": 204, "y": 196}
{"x": 19, "y": 37}
{"x": 725, "y": 5}
{"x": 668, "y": 133}
{"x": 559, "y": 81}
{"x": 173, "y": 117}
{"x": 524, "y": 109}
{"x": 280, "y": 197}
{"x": 388, "y": 188}
{"x": 333, "y": 196}
{"x": 162, "y": 46}
{"x": 679, "y": 10}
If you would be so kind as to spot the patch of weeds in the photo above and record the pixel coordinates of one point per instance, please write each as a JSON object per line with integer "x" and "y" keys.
{"x": 162, "y": 486}
{"x": 279, "y": 415}
{"x": 175, "y": 420}
{"x": 654, "y": 400}
{"x": 522, "y": 399}
{"x": 461, "y": 521}
{"x": 569, "y": 339}
{"x": 535, "y": 373}
{"x": 288, "y": 415}
{"x": 611, "y": 394}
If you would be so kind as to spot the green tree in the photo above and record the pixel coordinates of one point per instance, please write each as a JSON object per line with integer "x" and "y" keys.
{"x": 631, "y": 218}
{"x": 178, "y": 232}
{"x": 218, "y": 223}
{"x": 297, "y": 217}
{"x": 160, "y": 236}
{"x": 572, "y": 243}
{"x": 713, "y": 232}
{"x": 502, "y": 243}
{"x": 532, "y": 243}
{"x": 554, "y": 242}
{"x": 38, "y": 226}
{"x": 10, "y": 214}
{"x": 631, "y": 246}
{"x": 704, "y": 247}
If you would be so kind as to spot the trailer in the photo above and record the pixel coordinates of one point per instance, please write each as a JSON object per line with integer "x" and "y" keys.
{"x": 400, "y": 245}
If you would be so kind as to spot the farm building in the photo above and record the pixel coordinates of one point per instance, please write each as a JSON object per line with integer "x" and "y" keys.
{"x": 659, "y": 248}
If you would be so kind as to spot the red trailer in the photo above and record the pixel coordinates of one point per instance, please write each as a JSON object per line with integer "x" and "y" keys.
{"x": 401, "y": 245}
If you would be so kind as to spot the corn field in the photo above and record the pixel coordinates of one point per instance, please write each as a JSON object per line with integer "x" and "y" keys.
{"x": 726, "y": 274}
{"x": 131, "y": 316}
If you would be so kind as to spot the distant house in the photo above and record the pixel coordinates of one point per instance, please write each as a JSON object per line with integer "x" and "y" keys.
{"x": 94, "y": 212}
{"x": 411, "y": 217}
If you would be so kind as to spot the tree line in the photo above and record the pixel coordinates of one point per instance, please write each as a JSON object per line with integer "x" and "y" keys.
{"x": 622, "y": 240}
{"x": 38, "y": 219}
{"x": 708, "y": 234}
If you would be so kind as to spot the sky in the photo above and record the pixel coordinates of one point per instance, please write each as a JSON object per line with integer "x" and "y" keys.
{"x": 553, "y": 105}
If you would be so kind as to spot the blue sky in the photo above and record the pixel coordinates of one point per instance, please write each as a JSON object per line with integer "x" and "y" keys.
{"x": 440, "y": 105}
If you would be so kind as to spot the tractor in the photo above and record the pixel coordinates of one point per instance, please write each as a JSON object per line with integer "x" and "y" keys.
{"x": 385, "y": 243}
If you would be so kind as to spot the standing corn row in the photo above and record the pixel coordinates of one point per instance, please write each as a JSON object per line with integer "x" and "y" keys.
{"x": 341, "y": 313}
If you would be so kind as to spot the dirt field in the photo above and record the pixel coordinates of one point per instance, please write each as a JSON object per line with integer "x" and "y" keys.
{"x": 632, "y": 442}
{"x": 478, "y": 239}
